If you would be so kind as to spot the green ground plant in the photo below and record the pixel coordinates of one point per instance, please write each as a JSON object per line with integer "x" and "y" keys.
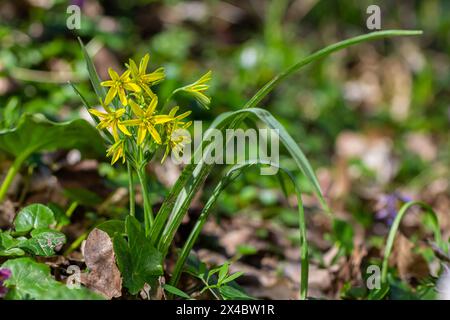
{"x": 139, "y": 125}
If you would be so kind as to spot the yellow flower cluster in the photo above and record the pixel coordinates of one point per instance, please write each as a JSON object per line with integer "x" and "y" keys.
{"x": 131, "y": 111}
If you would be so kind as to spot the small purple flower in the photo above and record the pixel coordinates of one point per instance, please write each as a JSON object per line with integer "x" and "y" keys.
{"x": 388, "y": 205}
{"x": 77, "y": 3}
{"x": 5, "y": 274}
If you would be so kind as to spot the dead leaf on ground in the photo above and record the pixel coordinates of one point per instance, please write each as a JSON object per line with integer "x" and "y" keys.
{"x": 410, "y": 265}
{"x": 104, "y": 276}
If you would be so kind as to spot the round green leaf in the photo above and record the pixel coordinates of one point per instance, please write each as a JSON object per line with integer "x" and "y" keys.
{"x": 33, "y": 217}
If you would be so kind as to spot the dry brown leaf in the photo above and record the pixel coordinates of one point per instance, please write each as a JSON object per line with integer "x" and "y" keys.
{"x": 104, "y": 276}
{"x": 410, "y": 264}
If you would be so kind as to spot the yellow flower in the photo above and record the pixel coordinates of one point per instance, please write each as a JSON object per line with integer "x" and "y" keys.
{"x": 118, "y": 85}
{"x": 111, "y": 119}
{"x": 146, "y": 120}
{"x": 116, "y": 151}
{"x": 143, "y": 79}
{"x": 197, "y": 89}
{"x": 177, "y": 138}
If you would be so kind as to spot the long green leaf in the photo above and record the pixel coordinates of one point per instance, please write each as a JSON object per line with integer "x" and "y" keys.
{"x": 184, "y": 198}
{"x": 230, "y": 176}
{"x": 194, "y": 175}
{"x": 93, "y": 75}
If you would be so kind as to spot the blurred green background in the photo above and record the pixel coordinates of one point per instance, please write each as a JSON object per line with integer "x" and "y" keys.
{"x": 373, "y": 119}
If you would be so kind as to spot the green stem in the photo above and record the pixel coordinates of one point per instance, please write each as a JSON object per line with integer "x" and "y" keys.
{"x": 148, "y": 213}
{"x": 131, "y": 190}
{"x": 71, "y": 209}
{"x": 11, "y": 174}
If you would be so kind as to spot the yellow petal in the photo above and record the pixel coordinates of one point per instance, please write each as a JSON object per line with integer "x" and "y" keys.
{"x": 111, "y": 94}
{"x": 113, "y": 74}
{"x": 152, "y": 106}
{"x": 136, "y": 109}
{"x": 153, "y": 77}
{"x": 187, "y": 125}
{"x": 205, "y": 78}
{"x": 133, "y": 68}
{"x": 123, "y": 129}
{"x": 132, "y": 122}
{"x": 142, "y": 132}
{"x": 183, "y": 115}
{"x": 161, "y": 119}
{"x": 125, "y": 76}
{"x": 200, "y": 87}
{"x": 143, "y": 64}
{"x": 116, "y": 157}
{"x": 154, "y": 134}
{"x": 132, "y": 87}
{"x": 148, "y": 90}
{"x": 98, "y": 113}
{"x": 114, "y": 132}
{"x": 174, "y": 111}
{"x": 122, "y": 97}
{"x": 107, "y": 83}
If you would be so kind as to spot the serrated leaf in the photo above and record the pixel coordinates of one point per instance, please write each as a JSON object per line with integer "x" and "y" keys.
{"x": 32, "y": 217}
{"x": 32, "y": 280}
{"x": 44, "y": 242}
{"x": 138, "y": 261}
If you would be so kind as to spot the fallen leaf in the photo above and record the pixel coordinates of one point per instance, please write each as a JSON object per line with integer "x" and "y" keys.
{"x": 410, "y": 265}
{"x": 104, "y": 276}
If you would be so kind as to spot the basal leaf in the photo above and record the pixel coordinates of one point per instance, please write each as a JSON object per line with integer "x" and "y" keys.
{"x": 138, "y": 261}
{"x": 32, "y": 280}
{"x": 8, "y": 245}
{"x": 44, "y": 242}
{"x": 36, "y": 133}
{"x": 32, "y": 217}
{"x": 93, "y": 75}
{"x": 112, "y": 227}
